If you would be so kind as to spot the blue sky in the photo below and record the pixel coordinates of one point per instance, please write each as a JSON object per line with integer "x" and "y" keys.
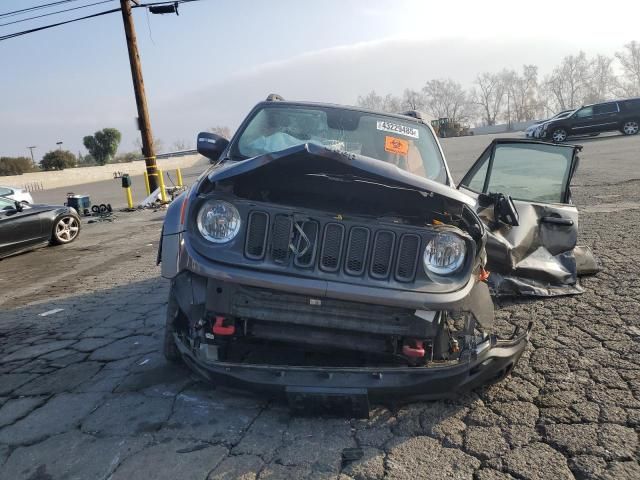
{"x": 210, "y": 64}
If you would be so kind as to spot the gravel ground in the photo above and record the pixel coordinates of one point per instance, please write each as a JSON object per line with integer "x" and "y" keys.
{"x": 86, "y": 394}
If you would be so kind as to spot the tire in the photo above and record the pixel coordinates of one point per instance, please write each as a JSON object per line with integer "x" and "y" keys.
{"x": 630, "y": 127}
{"x": 66, "y": 229}
{"x": 559, "y": 135}
{"x": 169, "y": 347}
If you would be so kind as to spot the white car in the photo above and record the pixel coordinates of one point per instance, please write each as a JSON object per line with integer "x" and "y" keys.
{"x": 531, "y": 129}
{"x": 17, "y": 194}
{"x": 534, "y": 130}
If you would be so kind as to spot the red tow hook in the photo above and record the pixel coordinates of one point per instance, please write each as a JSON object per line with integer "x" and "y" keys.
{"x": 220, "y": 329}
{"x": 414, "y": 351}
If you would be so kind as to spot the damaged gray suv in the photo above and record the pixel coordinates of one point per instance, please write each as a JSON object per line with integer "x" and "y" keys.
{"x": 328, "y": 256}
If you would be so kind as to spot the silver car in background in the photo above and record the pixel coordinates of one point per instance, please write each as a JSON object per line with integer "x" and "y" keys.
{"x": 534, "y": 130}
{"x": 17, "y": 194}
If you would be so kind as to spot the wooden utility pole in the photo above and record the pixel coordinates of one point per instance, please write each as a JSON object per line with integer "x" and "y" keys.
{"x": 33, "y": 160}
{"x": 141, "y": 98}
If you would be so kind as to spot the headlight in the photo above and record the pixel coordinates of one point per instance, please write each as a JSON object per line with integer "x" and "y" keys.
{"x": 444, "y": 254}
{"x": 218, "y": 221}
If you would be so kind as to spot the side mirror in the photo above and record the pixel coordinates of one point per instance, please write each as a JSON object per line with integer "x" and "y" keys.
{"x": 211, "y": 145}
{"x": 505, "y": 210}
{"x": 18, "y": 205}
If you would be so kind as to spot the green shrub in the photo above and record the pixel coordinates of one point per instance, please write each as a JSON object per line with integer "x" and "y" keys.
{"x": 58, "y": 160}
{"x": 103, "y": 144}
{"x": 15, "y": 165}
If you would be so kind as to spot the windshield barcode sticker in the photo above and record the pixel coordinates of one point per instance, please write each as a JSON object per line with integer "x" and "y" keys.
{"x": 397, "y": 128}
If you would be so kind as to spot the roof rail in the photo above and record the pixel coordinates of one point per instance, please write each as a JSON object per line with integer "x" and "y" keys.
{"x": 412, "y": 113}
{"x": 274, "y": 97}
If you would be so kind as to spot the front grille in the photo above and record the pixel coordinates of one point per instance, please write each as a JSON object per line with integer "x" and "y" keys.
{"x": 357, "y": 251}
{"x": 257, "y": 228}
{"x": 386, "y": 254}
{"x": 331, "y": 252}
{"x": 381, "y": 256}
{"x": 309, "y": 241}
{"x": 281, "y": 239}
{"x": 408, "y": 254}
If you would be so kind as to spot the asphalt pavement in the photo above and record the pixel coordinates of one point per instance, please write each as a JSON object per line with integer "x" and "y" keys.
{"x": 86, "y": 394}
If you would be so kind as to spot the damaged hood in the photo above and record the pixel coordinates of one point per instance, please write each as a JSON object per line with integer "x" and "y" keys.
{"x": 313, "y": 159}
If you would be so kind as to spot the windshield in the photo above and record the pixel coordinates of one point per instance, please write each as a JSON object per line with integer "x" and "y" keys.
{"x": 407, "y": 144}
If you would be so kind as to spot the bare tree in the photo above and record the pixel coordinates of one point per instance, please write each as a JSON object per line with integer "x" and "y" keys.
{"x": 221, "y": 130}
{"x": 489, "y": 94}
{"x": 602, "y": 81}
{"x": 446, "y": 98}
{"x": 413, "y": 100}
{"x": 373, "y": 101}
{"x": 158, "y": 144}
{"x": 180, "y": 145}
{"x": 629, "y": 59}
{"x": 391, "y": 104}
{"x": 568, "y": 83}
{"x": 521, "y": 91}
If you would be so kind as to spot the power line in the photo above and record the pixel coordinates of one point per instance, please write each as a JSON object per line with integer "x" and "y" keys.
{"x": 45, "y": 27}
{"x": 99, "y": 14}
{"x": 54, "y": 13}
{"x": 37, "y": 7}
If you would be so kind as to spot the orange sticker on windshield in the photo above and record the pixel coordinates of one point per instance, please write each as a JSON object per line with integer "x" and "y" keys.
{"x": 396, "y": 145}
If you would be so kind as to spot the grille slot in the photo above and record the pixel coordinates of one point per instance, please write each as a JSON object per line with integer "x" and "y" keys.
{"x": 408, "y": 255}
{"x": 381, "y": 257}
{"x": 280, "y": 239}
{"x": 331, "y": 252}
{"x": 357, "y": 251}
{"x": 310, "y": 229}
{"x": 256, "y": 240}
{"x": 380, "y": 252}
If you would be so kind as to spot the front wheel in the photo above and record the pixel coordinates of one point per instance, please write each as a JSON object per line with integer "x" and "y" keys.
{"x": 630, "y": 127}
{"x": 66, "y": 229}
{"x": 559, "y": 135}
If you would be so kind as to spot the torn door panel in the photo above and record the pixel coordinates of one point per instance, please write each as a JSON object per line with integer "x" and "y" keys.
{"x": 537, "y": 258}
{"x": 534, "y": 253}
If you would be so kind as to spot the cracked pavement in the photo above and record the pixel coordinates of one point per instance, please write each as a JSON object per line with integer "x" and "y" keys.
{"x": 86, "y": 394}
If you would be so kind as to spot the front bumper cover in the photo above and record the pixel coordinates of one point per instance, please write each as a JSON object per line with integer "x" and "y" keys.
{"x": 490, "y": 362}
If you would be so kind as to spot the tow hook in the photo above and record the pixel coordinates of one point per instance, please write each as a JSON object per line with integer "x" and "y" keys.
{"x": 483, "y": 275}
{"x": 219, "y": 328}
{"x": 413, "y": 349}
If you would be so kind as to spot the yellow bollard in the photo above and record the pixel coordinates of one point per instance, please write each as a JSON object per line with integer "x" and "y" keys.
{"x": 126, "y": 184}
{"x": 179, "y": 176}
{"x": 129, "y": 197}
{"x": 146, "y": 183}
{"x": 163, "y": 191}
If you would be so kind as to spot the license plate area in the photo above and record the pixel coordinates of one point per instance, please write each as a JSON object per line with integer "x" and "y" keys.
{"x": 347, "y": 402}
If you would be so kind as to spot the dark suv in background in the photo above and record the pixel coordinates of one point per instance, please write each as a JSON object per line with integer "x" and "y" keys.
{"x": 622, "y": 115}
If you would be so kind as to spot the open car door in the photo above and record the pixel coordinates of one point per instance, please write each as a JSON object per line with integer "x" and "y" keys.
{"x": 522, "y": 192}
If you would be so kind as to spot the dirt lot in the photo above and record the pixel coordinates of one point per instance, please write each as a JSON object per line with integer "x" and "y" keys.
{"x": 86, "y": 394}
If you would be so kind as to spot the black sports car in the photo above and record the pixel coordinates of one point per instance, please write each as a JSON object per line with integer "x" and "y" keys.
{"x": 25, "y": 227}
